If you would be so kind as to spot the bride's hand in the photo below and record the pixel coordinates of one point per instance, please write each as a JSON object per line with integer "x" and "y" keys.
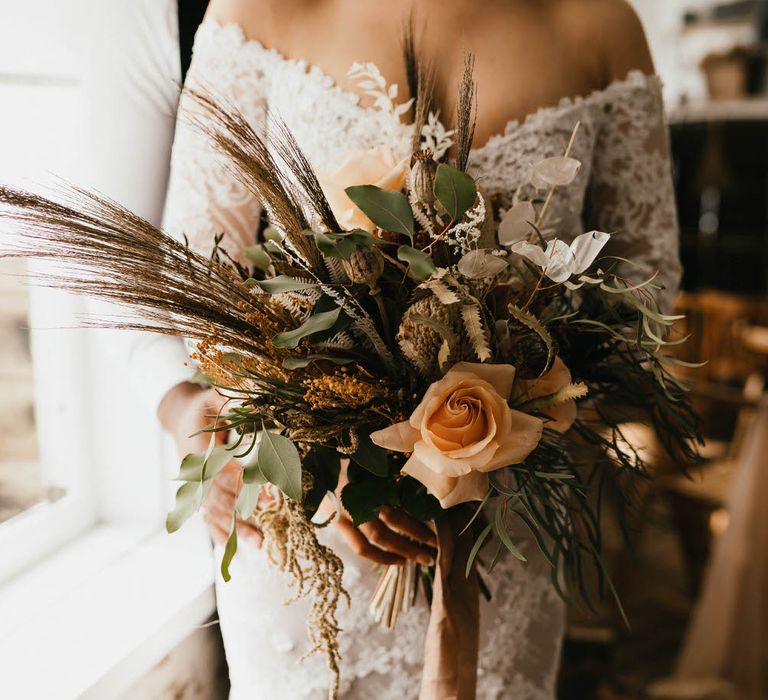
{"x": 184, "y": 411}
{"x": 392, "y": 538}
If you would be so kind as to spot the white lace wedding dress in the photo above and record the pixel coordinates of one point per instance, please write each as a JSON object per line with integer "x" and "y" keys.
{"x": 626, "y": 172}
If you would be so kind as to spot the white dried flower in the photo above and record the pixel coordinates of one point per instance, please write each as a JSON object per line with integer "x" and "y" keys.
{"x": 559, "y": 261}
{"x": 479, "y": 264}
{"x": 516, "y": 224}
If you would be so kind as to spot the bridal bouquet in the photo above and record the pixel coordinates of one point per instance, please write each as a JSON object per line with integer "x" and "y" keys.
{"x": 395, "y": 317}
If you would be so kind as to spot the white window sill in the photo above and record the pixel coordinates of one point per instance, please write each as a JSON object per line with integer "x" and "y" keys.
{"x": 90, "y": 620}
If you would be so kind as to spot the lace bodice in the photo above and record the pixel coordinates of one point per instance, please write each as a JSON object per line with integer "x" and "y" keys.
{"x": 624, "y": 187}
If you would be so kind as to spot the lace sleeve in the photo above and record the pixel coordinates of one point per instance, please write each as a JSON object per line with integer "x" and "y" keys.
{"x": 632, "y": 194}
{"x": 204, "y": 199}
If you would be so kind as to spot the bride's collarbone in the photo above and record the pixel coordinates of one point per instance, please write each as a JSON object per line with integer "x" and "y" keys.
{"x": 524, "y": 58}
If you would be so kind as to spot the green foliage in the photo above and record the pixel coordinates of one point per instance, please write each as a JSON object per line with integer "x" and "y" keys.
{"x": 188, "y": 500}
{"x": 321, "y": 321}
{"x": 301, "y": 362}
{"x": 325, "y": 465}
{"x": 342, "y": 245}
{"x": 280, "y": 463}
{"x": 258, "y": 256}
{"x": 387, "y": 209}
{"x": 455, "y": 190}
{"x": 420, "y": 264}
{"x": 364, "y": 499}
{"x": 417, "y": 501}
{"x": 370, "y": 456}
{"x": 229, "y": 551}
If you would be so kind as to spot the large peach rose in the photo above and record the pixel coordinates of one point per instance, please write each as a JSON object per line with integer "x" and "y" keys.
{"x": 462, "y": 429}
{"x": 377, "y": 166}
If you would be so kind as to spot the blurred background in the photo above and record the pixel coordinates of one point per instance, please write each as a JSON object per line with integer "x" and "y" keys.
{"x": 95, "y": 602}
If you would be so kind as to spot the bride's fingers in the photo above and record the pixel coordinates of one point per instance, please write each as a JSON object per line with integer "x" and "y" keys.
{"x": 384, "y": 538}
{"x": 360, "y": 545}
{"x": 404, "y": 524}
{"x": 219, "y": 519}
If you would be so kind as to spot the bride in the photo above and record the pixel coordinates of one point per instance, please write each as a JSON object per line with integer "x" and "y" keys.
{"x": 542, "y": 66}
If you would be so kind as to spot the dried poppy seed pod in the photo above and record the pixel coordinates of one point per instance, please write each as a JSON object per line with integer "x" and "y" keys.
{"x": 365, "y": 266}
{"x": 422, "y": 180}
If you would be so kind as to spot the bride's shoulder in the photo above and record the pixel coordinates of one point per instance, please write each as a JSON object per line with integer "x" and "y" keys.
{"x": 612, "y": 29}
{"x": 245, "y": 12}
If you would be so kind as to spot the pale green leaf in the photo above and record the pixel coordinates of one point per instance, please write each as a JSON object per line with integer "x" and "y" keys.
{"x": 314, "y": 324}
{"x": 476, "y": 548}
{"x": 258, "y": 256}
{"x": 501, "y": 530}
{"x": 420, "y": 264}
{"x": 229, "y": 551}
{"x": 280, "y": 464}
{"x": 283, "y": 283}
{"x": 456, "y": 190}
{"x": 188, "y": 500}
{"x": 388, "y": 209}
{"x": 300, "y": 362}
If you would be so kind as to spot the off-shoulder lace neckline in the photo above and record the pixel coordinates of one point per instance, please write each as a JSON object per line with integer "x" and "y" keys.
{"x": 636, "y": 79}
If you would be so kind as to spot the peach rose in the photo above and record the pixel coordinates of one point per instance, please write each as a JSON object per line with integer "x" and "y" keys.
{"x": 562, "y": 415}
{"x": 377, "y": 166}
{"x": 462, "y": 429}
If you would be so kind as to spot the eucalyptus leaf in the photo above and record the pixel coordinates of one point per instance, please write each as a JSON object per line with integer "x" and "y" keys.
{"x": 272, "y": 234}
{"x": 370, "y": 456}
{"x": 215, "y": 462}
{"x": 248, "y": 499}
{"x": 420, "y": 264}
{"x": 191, "y": 467}
{"x": 301, "y": 362}
{"x": 229, "y": 551}
{"x": 455, "y": 190}
{"x": 280, "y": 464}
{"x": 388, "y": 209}
{"x": 188, "y": 500}
{"x": 503, "y": 533}
{"x": 476, "y": 548}
{"x": 335, "y": 245}
{"x": 283, "y": 283}
{"x": 314, "y": 324}
{"x": 258, "y": 256}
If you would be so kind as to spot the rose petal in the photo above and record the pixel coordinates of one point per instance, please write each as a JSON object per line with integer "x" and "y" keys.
{"x": 525, "y": 434}
{"x": 400, "y": 437}
{"x": 472, "y": 487}
{"x": 448, "y": 490}
{"x": 438, "y": 462}
{"x": 554, "y": 172}
{"x": 563, "y": 416}
{"x": 559, "y": 376}
{"x": 556, "y": 378}
{"x": 500, "y": 377}
{"x": 515, "y": 225}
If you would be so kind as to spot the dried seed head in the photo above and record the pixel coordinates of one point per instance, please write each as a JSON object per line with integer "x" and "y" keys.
{"x": 365, "y": 266}
{"x": 422, "y": 180}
